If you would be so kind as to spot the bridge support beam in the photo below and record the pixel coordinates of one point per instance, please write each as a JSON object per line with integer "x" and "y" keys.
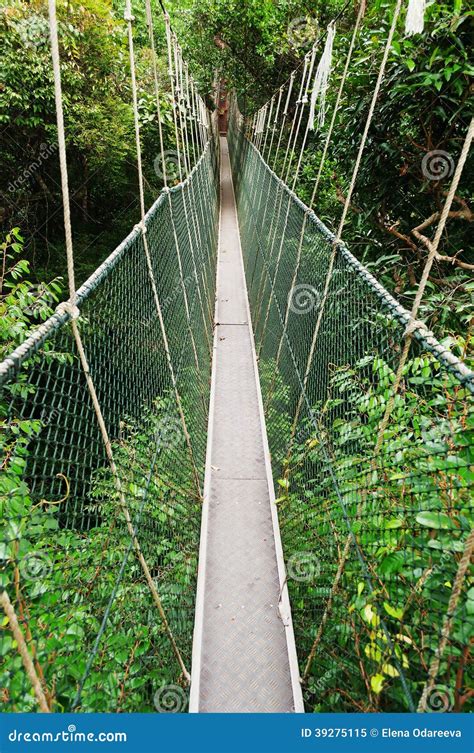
{"x": 244, "y": 657}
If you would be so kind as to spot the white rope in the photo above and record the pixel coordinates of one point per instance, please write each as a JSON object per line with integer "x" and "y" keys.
{"x": 338, "y": 101}
{"x": 173, "y": 94}
{"x": 304, "y": 90}
{"x": 415, "y": 18}
{"x": 53, "y": 26}
{"x": 321, "y": 80}
{"x": 285, "y": 114}
{"x": 303, "y": 77}
{"x": 269, "y": 121}
{"x": 129, "y": 19}
{"x": 433, "y": 249}
{"x": 342, "y": 221}
{"x": 149, "y": 17}
{"x": 310, "y": 205}
{"x": 22, "y": 649}
{"x": 172, "y": 55}
{"x": 179, "y": 99}
{"x": 290, "y": 152}
{"x": 75, "y": 329}
{"x": 275, "y": 122}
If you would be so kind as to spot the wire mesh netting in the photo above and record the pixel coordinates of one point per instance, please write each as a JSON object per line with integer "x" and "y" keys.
{"x": 69, "y": 564}
{"x": 376, "y": 541}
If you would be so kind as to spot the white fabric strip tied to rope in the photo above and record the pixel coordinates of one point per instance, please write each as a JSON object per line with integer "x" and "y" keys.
{"x": 261, "y": 120}
{"x": 203, "y": 108}
{"x": 269, "y": 124}
{"x": 307, "y": 58}
{"x": 321, "y": 80}
{"x": 415, "y": 18}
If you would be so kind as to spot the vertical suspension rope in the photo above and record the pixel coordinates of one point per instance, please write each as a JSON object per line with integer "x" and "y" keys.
{"x": 303, "y": 100}
{"x": 275, "y": 122}
{"x": 338, "y": 101}
{"x": 285, "y": 115}
{"x": 335, "y": 245}
{"x": 433, "y": 249}
{"x": 314, "y": 192}
{"x": 345, "y": 210}
{"x": 149, "y": 17}
{"x": 268, "y": 128}
{"x": 22, "y": 647}
{"x": 129, "y": 19}
{"x": 70, "y": 306}
{"x": 171, "y": 55}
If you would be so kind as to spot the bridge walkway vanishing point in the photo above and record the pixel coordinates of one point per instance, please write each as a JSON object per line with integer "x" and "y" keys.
{"x": 244, "y": 656}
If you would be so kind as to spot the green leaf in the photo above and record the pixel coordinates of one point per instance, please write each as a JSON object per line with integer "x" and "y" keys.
{"x": 389, "y": 670}
{"x": 376, "y": 683}
{"x": 438, "y": 520}
{"x": 394, "y": 523}
{"x": 395, "y": 612}
{"x": 470, "y": 601}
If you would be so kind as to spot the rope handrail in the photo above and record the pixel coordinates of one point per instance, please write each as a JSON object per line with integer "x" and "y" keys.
{"x": 83, "y": 408}
{"x": 14, "y": 360}
{"x": 336, "y": 493}
{"x": 402, "y": 314}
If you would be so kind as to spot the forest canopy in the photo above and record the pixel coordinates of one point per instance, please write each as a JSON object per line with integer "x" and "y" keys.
{"x": 424, "y": 106}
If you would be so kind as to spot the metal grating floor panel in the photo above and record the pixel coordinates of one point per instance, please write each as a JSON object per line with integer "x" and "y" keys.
{"x": 244, "y": 658}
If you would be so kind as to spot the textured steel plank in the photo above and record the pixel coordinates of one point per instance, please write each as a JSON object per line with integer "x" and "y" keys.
{"x": 240, "y": 656}
{"x": 244, "y": 656}
{"x": 237, "y": 449}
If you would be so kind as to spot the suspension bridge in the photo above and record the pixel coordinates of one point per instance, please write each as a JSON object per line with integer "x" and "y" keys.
{"x": 238, "y": 472}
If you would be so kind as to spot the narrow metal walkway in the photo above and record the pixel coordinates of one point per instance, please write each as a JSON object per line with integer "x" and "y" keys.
{"x": 244, "y": 657}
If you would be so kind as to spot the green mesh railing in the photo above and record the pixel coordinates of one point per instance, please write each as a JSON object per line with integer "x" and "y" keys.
{"x": 69, "y": 566}
{"x": 376, "y": 544}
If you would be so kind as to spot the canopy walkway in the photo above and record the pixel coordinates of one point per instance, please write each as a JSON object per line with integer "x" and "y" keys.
{"x": 232, "y": 350}
{"x": 245, "y": 657}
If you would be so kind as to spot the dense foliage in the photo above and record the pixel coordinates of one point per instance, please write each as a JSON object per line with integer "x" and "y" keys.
{"x": 424, "y": 107}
